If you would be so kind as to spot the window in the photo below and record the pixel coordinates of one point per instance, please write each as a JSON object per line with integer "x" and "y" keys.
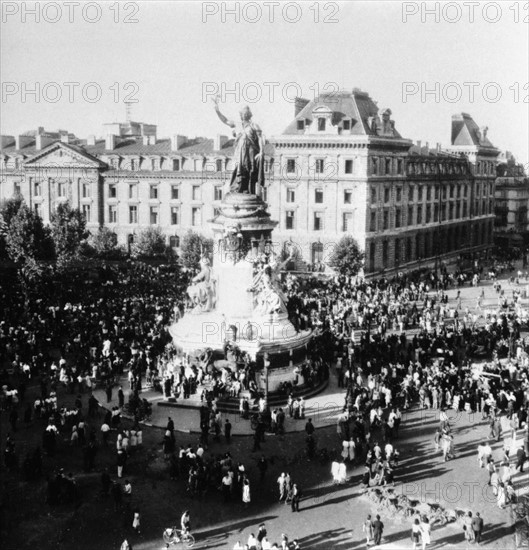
{"x": 398, "y": 217}
{"x": 289, "y": 219}
{"x": 399, "y": 166}
{"x": 385, "y": 251}
{"x": 419, "y": 193}
{"x": 301, "y": 124}
{"x": 291, "y": 195}
{"x": 428, "y": 213}
{"x": 428, "y": 193}
{"x": 196, "y": 192}
{"x": 195, "y": 216}
{"x": 320, "y": 166}
{"x": 87, "y": 212}
{"x": 347, "y": 222}
{"x": 321, "y": 125}
{"x": 176, "y": 165}
{"x": 452, "y": 191}
{"x": 153, "y": 164}
{"x": 217, "y": 193}
{"x": 133, "y": 191}
{"x": 153, "y": 218}
{"x": 291, "y": 166}
{"x": 411, "y": 192}
{"x": 451, "y": 211}
{"x": 419, "y": 214}
{"x": 388, "y": 166}
{"x": 61, "y": 189}
{"x": 410, "y": 215}
{"x": 373, "y": 195}
{"x": 86, "y": 190}
{"x": 386, "y": 220}
{"x": 465, "y": 191}
{"x": 373, "y": 221}
{"x": 436, "y": 213}
{"x": 399, "y": 194}
{"x": 458, "y": 210}
{"x": 37, "y": 189}
{"x": 175, "y": 192}
{"x": 346, "y": 124}
{"x": 112, "y": 214}
{"x": 219, "y": 165}
{"x": 318, "y": 221}
{"x": 133, "y": 214}
{"x": 112, "y": 191}
{"x": 174, "y": 241}
{"x": 318, "y": 196}
{"x": 348, "y": 197}
{"x": 386, "y": 194}
{"x": 153, "y": 192}
{"x": 436, "y": 192}
{"x": 374, "y": 163}
{"x": 132, "y": 164}
{"x": 38, "y": 209}
{"x": 445, "y": 191}
{"x": 349, "y": 166}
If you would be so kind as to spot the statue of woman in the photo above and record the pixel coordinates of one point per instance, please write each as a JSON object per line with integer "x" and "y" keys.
{"x": 248, "y": 173}
{"x": 202, "y": 290}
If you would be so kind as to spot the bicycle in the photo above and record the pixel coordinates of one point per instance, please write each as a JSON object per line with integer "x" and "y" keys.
{"x": 173, "y": 535}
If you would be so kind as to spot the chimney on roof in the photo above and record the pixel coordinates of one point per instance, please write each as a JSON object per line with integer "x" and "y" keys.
{"x": 110, "y": 142}
{"x": 177, "y": 141}
{"x": 91, "y": 140}
{"x": 40, "y": 130}
{"x": 22, "y": 141}
{"x": 149, "y": 140}
{"x": 299, "y": 105}
{"x": 219, "y": 141}
{"x": 41, "y": 141}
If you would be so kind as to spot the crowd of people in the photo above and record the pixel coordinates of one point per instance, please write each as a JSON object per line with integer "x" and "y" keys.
{"x": 393, "y": 343}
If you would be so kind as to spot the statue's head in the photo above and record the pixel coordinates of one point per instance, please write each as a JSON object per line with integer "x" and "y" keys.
{"x": 204, "y": 262}
{"x": 245, "y": 113}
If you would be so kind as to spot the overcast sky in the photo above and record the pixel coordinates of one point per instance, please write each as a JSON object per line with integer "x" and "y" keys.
{"x": 175, "y": 53}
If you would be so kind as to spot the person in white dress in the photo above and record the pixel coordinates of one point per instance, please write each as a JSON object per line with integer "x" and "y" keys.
{"x": 342, "y": 473}
{"x": 352, "y": 450}
{"x": 335, "y": 466}
{"x": 246, "y": 492}
{"x": 425, "y": 532}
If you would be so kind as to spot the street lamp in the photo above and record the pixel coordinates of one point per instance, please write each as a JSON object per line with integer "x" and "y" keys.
{"x": 266, "y": 364}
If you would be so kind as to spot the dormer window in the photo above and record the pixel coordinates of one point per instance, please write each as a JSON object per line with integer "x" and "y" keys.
{"x": 346, "y": 125}
{"x": 321, "y": 124}
{"x": 301, "y": 124}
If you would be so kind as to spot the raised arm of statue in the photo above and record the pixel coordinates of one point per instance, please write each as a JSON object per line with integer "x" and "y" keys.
{"x": 222, "y": 118}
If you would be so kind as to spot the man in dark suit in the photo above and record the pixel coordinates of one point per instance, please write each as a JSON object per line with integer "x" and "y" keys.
{"x": 378, "y": 529}
{"x": 477, "y": 527}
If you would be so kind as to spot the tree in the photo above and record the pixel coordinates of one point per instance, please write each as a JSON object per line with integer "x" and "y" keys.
{"x": 347, "y": 258}
{"x": 193, "y": 247}
{"x": 8, "y": 210}
{"x": 68, "y": 231}
{"x": 28, "y": 243}
{"x": 104, "y": 244}
{"x": 150, "y": 243}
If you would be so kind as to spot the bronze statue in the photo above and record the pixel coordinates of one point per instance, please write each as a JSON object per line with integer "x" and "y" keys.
{"x": 248, "y": 173}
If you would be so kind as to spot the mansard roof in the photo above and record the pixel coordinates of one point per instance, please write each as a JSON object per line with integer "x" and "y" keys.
{"x": 465, "y": 132}
{"x": 355, "y": 105}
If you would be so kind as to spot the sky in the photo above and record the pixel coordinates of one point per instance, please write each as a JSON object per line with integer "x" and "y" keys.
{"x": 424, "y": 60}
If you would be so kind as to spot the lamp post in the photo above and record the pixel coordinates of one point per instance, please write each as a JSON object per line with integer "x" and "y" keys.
{"x": 266, "y": 364}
